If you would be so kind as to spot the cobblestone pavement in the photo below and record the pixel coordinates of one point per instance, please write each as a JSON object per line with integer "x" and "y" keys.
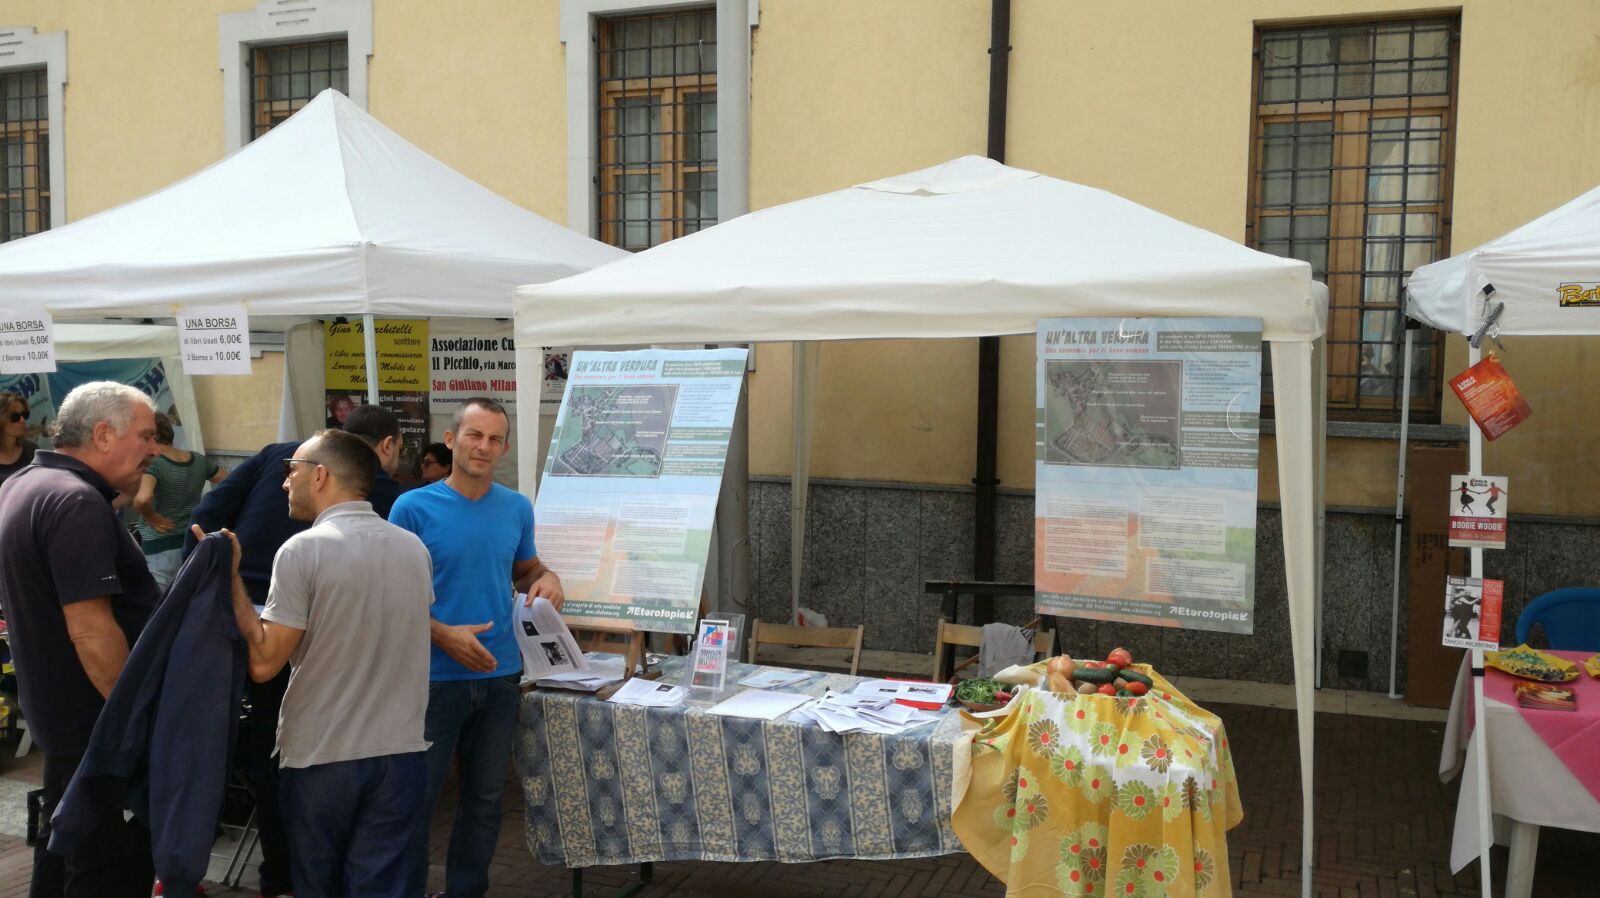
{"x": 1383, "y": 823}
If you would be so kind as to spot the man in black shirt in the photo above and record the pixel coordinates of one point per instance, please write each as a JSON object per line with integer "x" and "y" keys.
{"x": 76, "y": 592}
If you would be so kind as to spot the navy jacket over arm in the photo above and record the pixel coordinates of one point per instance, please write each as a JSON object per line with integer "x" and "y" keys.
{"x": 162, "y": 745}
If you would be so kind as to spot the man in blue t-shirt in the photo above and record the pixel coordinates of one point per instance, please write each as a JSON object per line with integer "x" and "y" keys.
{"x": 480, "y": 535}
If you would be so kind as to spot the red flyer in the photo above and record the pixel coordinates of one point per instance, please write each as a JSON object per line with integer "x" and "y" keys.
{"x": 1491, "y": 398}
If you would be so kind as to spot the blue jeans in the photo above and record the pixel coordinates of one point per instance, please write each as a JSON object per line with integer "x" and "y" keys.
{"x": 478, "y": 718}
{"x": 352, "y": 824}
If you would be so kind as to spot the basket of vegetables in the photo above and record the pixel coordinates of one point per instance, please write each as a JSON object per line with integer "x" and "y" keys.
{"x": 982, "y": 694}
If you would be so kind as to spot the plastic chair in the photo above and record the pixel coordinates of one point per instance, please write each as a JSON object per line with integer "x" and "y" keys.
{"x": 1570, "y": 618}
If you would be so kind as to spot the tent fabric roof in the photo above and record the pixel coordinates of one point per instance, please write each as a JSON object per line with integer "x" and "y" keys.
{"x": 967, "y": 248}
{"x": 1528, "y": 268}
{"x": 330, "y": 213}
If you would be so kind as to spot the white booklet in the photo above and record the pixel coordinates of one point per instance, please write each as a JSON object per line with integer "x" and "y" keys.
{"x": 649, "y": 693}
{"x": 547, "y": 645}
{"x": 759, "y": 704}
{"x": 774, "y": 676}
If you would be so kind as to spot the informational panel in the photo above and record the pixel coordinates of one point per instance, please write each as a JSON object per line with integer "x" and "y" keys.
{"x": 630, "y": 486}
{"x": 1146, "y": 470}
{"x": 403, "y": 382}
{"x": 44, "y": 392}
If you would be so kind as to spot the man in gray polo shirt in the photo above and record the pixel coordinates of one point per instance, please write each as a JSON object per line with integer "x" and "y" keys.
{"x": 348, "y": 606}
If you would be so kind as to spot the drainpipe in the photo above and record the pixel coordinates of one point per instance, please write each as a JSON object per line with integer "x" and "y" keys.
{"x": 985, "y": 480}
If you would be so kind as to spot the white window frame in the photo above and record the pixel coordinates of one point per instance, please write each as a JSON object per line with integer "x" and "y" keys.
{"x": 25, "y": 48}
{"x": 285, "y": 22}
{"x": 580, "y": 28}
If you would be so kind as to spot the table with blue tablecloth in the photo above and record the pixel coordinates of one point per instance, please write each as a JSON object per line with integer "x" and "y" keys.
{"x": 608, "y": 783}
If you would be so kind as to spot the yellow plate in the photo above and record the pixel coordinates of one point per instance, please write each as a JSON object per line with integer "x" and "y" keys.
{"x": 1532, "y": 664}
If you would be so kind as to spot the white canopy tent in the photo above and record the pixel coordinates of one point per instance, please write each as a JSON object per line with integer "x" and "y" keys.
{"x": 965, "y": 249}
{"x": 328, "y": 214}
{"x": 1517, "y": 284}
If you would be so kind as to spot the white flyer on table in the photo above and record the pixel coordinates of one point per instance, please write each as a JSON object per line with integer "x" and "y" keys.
{"x": 547, "y": 645}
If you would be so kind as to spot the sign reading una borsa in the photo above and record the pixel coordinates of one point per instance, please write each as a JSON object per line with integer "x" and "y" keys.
{"x": 214, "y": 339}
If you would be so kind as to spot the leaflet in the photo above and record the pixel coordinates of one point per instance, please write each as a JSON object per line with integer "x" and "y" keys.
{"x": 547, "y": 645}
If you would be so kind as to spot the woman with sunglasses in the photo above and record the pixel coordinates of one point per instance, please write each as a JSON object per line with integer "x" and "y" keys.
{"x": 16, "y": 450}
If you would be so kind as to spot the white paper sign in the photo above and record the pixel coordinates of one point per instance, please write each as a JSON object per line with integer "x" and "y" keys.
{"x": 215, "y": 339}
{"x": 27, "y": 342}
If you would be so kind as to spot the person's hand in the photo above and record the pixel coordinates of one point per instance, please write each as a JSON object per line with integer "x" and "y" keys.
{"x": 201, "y": 534}
{"x": 159, "y": 523}
{"x": 461, "y": 643}
{"x": 548, "y": 586}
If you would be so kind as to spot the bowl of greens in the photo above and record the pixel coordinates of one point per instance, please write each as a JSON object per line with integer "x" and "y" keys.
{"x": 982, "y": 694}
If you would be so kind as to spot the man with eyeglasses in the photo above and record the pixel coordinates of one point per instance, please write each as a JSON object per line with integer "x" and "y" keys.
{"x": 348, "y": 606}
{"x": 251, "y": 503}
{"x": 480, "y": 536}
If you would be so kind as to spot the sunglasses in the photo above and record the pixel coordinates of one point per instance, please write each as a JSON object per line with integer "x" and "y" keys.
{"x": 14, "y": 417}
{"x": 289, "y": 463}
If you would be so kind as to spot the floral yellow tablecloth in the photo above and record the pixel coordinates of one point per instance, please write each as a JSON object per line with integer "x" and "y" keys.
{"x": 1095, "y": 795}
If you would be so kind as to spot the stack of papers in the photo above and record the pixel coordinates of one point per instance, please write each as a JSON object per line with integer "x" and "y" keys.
{"x": 918, "y": 693}
{"x": 649, "y": 693}
{"x": 856, "y": 713}
{"x": 601, "y": 671}
{"x": 774, "y": 676}
{"x": 759, "y": 704}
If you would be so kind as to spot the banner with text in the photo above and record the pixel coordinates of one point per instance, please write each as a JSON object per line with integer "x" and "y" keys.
{"x": 44, "y": 392}
{"x": 1146, "y": 470}
{"x": 402, "y": 346}
{"x": 631, "y": 482}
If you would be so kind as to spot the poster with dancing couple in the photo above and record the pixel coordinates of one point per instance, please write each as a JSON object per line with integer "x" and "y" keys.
{"x": 1478, "y": 512}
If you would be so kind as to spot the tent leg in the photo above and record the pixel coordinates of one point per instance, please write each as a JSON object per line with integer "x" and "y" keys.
{"x": 1485, "y": 826}
{"x": 806, "y": 355}
{"x": 1400, "y": 513}
{"x": 370, "y": 338}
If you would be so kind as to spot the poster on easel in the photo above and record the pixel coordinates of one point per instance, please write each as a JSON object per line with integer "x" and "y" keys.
{"x": 630, "y": 486}
{"x": 403, "y": 381}
{"x": 1145, "y": 468}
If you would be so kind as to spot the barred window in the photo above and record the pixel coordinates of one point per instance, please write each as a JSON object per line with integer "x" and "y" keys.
{"x": 1351, "y": 173}
{"x": 658, "y": 127}
{"x": 24, "y": 154}
{"x": 285, "y": 77}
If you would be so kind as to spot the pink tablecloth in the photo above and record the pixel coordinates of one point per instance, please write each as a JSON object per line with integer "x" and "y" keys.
{"x": 1573, "y": 736}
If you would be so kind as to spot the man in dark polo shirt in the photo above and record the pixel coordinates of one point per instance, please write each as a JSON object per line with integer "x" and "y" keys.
{"x": 76, "y": 592}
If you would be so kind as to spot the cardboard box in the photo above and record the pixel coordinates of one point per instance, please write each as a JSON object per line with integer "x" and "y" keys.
{"x": 1430, "y": 667}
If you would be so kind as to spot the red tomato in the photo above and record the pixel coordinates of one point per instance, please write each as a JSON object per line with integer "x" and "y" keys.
{"x": 1120, "y": 656}
{"x": 1002, "y": 696}
{"x": 1137, "y": 688}
{"x": 1107, "y": 689}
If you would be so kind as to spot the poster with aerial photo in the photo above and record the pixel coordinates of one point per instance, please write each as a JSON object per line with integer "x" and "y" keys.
{"x": 631, "y": 483}
{"x": 1146, "y": 447}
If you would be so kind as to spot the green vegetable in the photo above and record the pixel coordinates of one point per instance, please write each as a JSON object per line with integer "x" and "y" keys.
{"x": 1096, "y": 675}
{"x": 980, "y": 691}
{"x": 1134, "y": 676}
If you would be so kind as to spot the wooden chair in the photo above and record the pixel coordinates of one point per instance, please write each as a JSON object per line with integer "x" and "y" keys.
{"x": 810, "y": 637}
{"x": 960, "y": 634}
{"x": 627, "y": 643}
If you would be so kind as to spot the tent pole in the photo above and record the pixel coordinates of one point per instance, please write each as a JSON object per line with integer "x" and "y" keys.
{"x": 1480, "y": 744}
{"x": 1400, "y": 510}
{"x": 804, "y": 398}
{"x": 370, "y": 339}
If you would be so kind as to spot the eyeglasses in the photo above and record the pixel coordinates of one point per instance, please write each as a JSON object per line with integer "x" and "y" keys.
{"x": 289, "y": 463}
{"x": 14, "y": 417}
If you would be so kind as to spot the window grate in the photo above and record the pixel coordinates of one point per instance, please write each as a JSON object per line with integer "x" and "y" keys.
{"x": 1351, "y": 173}
{"x": 657, "y": 176}
{"x": 24, "y": 153}
{"x": 286, "y": 77}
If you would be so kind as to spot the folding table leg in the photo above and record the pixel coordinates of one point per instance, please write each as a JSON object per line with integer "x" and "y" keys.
{"x": 1519, "y": 867}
